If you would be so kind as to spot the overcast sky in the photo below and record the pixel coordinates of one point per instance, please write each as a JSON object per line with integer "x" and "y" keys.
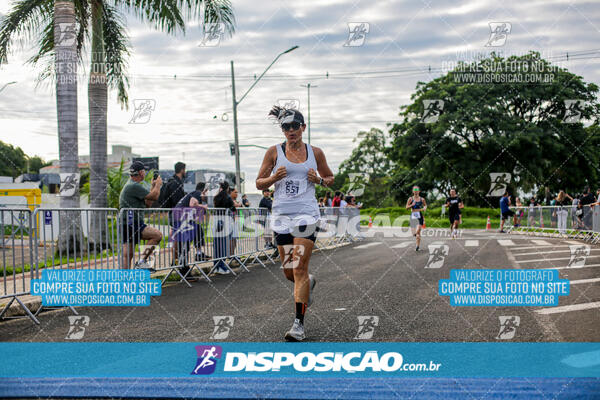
{"x": 403, "y": 36}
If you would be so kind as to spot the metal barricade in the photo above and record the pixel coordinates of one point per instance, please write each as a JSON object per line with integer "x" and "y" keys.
{"x": 76, "y": 238}
{"x": 573, "y": 221}
{"x": 18, "y": 257}
{"x": 180, "y": 240}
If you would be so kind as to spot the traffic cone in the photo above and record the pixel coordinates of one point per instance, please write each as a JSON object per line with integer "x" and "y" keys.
{"x": 488, "y": 225}
{"x": 370, "y": 222}
{"x": 424, "y": 226}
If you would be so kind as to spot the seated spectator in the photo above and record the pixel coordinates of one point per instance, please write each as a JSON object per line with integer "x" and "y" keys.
{"x": 245, "y": 201}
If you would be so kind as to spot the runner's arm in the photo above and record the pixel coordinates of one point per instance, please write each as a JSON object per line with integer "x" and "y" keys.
{"x": 322, "y": 167}
{"x": 265, "y": 180}
{"x": 409, "y": 203}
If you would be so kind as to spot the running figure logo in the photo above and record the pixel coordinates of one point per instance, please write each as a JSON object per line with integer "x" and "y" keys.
{"x": 437, "y": 255}
{"x": 573, "y": 110}
{"x": 69, "y": 182}
{"x": 142, "y": 110}
{"x": 508, "y": 327}
{"x": 357, "y": 34}
{"x": 207, "y": 359}
{"x": 498, "y": 33}
{"x": 213, "y": 180}
{"x": 68, "y": 34}
{"x": 579, "y": 253}
{"x": 499, "y": 182}
{"x": 77, "y": 325}
{"x": 213, "y": 32}
{"x": 223, "y": 325}
{"x": 366, "y": 326}
{"x": 432, "y": 109}
{"x": 357, "y": 183}
{"x": 291, "y": 259}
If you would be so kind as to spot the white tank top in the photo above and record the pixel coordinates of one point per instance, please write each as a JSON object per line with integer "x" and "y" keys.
{"x": 294, "y": 201}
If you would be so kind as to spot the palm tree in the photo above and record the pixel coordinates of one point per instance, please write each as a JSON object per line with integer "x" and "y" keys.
{"x": 109, "y": 50}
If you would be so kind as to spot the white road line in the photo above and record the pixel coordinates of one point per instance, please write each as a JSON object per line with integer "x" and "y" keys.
{"x": 506, "y": 242}
{"x": 572, "y": 307}
{"x": 548, "y": 252}
{"x": 572, "y": 242}
{"x": 536, "y": 247}
{"x": 364, "y": 246}
{"x": 585, "y": 266}
{"x": 471, "y": 243}
{"x": 541, "y": 242}
{"x": 591, "y": 280}
{"x": 401, "y": 245}
{"x": 551, "y": 259}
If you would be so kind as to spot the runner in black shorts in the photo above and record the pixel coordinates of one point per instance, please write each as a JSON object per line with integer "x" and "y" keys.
{"x": 292, "y": 167}
{"x": 454, "y": 204}
{"x": 416, "y": 204}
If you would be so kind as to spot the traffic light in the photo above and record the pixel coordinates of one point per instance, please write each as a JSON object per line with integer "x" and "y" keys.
{"x": 232, "y": 148}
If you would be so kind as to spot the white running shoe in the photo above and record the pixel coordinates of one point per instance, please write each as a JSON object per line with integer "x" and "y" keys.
{"x": 296, "y": 334}
{"x": 313, "y": 282}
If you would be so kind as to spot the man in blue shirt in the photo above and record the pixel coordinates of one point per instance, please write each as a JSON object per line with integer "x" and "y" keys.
{"x": 506, "y": 211}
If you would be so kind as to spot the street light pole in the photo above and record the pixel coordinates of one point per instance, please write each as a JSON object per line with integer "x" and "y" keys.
{"x": 308, "y": 86}
{"x": 235, "y": 133}
{"x": 235, "y": 104}
{"x": 6, "y": 84}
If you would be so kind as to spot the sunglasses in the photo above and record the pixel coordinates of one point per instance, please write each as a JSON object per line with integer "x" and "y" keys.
{"x": 290, "y": 126}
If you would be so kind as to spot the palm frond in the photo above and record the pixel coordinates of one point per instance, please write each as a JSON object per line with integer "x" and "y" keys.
{"x": 23, "y": 22}
{"x": 216, "y": 11}
{"x": 116, "y": 45}
{"x": 45, "y": 55}
{"x": 164, "y": 15}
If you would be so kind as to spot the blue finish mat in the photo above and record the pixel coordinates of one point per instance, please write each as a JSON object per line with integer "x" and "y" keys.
{"x": 304, "y": 388}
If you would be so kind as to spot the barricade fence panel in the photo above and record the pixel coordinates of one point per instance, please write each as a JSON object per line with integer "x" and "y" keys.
{"x": 17, "y": 247}
{"x": 571, "y": 220}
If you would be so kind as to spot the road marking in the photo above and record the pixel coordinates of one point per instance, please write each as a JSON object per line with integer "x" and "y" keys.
{"x": 548, "y": 252}
{"x": 364, "y": 246}
{"x": 583, "y": 266}
{"x": 339, "y": 309}
{"x": 549, "y": 329}
{"x": 537, "y": 247}
{"x": 591, "y": 280}
{"x": 572, "y": 307}
{"x": 541, "y": 242}
{"x": 471, "y": 243}
{"x": 572, "y": 242}
{"x": 506, "y": 242}
{"x": 401, "y": 245}
{"x": 551, "y": 259}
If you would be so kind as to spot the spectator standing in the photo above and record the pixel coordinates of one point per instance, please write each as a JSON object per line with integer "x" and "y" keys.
{"x": 336, "y": 199}
{"x": 245, "y": 201}
{"x": 587, "y": 199}
{"x": 327, "y": 201}
{"x": 562, "y": 200}
{"x": 173, "y": 191}
{"x": 195, "y": 234}
{"x": 222, "y": 235}
{"x": 267, "y": 202}
{"x": 135, "y": 195}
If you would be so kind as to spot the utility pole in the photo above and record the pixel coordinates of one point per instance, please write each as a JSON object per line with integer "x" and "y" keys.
{"x": 308, "y": 86}
{"x": 235, "y": 124}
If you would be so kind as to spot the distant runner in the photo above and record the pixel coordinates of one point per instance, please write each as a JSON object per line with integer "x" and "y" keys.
{"x": 417, "y": 205}
{"x": 454, "y": 204}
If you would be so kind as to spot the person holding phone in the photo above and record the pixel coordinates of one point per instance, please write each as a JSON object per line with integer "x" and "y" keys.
{"x": 135, "y": 195}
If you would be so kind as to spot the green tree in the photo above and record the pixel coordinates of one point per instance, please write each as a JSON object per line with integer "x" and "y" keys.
{"x": 15, "y": 162}
{"x": 367, "y": 169}
{"x": 502, "y": 127}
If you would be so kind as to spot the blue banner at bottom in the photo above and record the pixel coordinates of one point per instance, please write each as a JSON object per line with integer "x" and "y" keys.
{"x": 271, "y": 360}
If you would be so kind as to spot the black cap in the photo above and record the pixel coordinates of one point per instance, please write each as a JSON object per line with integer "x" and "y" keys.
{"x": 136, "y": 167}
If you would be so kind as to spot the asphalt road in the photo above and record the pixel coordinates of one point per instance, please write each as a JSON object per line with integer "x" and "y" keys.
{"x": 379, "y": 277}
